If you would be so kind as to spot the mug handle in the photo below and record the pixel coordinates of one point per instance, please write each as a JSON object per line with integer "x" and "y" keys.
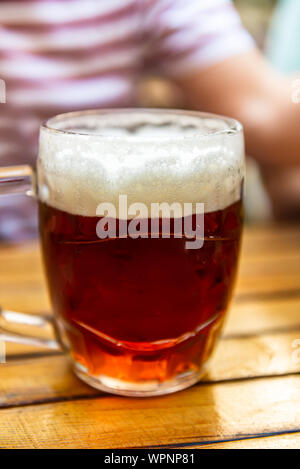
{"x": 38, "y": 321}
{"x": 17, "y": 180}
{"x": 21, "y": 180}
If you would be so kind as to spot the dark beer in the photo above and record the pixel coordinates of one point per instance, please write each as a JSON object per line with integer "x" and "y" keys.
{"x": 140, "y": 315}
{"x": 139, "y": 310}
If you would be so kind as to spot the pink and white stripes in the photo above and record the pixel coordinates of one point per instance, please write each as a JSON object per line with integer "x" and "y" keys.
{"x": 61, "y": 55}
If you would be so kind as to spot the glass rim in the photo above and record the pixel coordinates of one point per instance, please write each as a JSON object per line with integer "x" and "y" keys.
{"x": 234, "y": 126}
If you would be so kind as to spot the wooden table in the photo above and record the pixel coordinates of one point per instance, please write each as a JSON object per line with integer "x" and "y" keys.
{"x": 251, "y": 398}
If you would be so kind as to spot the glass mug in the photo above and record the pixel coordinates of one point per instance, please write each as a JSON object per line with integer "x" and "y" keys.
{"x": 138, "y": 310}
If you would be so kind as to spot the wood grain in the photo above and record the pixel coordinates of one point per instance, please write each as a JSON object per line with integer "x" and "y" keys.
{"x": 263, "y": 316}
{"x": 249, "y": 318}
{"x": 202, "y": 413}
{"x": 51, "y": 379}
{"x": 251, "y": 392}
{"x": 270, "y": 263}
{"x": 22, "y": 285}
{"x": 245, "y": 318}
{"x": 255, "y": 310}
{"x": 283, "y": 441}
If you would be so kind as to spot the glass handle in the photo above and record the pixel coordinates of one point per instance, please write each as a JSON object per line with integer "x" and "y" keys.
{"x": 17, "y": 180}
{"x": 20, "y": 180}
{"x": 40, "y": 322}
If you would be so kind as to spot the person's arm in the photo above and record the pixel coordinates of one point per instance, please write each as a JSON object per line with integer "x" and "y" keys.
{"x": 247, "y": 88}
{"x": 203, "y": 47}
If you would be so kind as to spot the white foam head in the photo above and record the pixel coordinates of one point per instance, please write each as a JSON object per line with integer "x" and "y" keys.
{"x": 150, "y": 156}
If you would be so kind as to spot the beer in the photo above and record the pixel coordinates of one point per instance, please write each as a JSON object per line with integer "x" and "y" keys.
{"x": 140, "y": 309}
{"x": 140, "y": 315}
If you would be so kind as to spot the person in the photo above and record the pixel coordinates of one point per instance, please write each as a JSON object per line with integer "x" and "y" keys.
{"x": 69, "y": 55}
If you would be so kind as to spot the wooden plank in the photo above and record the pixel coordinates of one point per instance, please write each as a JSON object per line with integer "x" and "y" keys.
{"x": 262, "y": 268}
{"x": 261, "y": 273}
{"x": 202, "y": 413}
{"x": 263, "y": 316}
{"x": 245, "y": 318}
{"x": 17, "y": 351}
{"x": 289, "y": 441}
{"x": 271, "y": 241}
{"x": 50, "y": 378}
{"x": 266, "y": 355}
{"x": 22, "y": 286}
{"x": 270, "y": 260}
{"x": 272, "y": 276}
{"x": 39, "y": 380}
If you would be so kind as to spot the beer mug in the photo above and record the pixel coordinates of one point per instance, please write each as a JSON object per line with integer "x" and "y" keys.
{"x": 140, "y": 216}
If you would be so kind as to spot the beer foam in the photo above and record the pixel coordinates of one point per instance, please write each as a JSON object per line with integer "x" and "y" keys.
{"x": 152, "y": 157}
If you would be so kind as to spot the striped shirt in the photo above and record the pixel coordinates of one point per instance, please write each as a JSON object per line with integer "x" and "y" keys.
{"x": 62, "y": 55}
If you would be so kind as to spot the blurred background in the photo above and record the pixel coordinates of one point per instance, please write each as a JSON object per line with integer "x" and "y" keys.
{"x": 274, "y": 24}
{"x": 258, "y": 17}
